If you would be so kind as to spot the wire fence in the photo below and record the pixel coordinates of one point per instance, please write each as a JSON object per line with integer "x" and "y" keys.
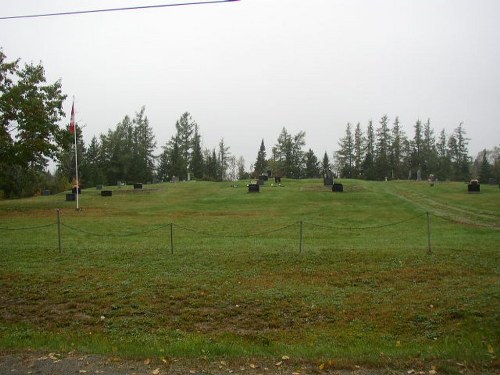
{"x": 300, "y": 228}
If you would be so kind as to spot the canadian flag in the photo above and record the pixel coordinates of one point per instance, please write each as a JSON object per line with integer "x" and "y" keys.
{"x": 72, "y": 121}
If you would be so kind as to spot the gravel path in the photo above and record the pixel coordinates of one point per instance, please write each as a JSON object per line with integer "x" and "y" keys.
{"x": 31, "y": 362}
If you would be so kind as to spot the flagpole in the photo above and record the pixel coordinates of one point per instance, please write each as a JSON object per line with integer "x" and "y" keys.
{"x": 76, "y": 162}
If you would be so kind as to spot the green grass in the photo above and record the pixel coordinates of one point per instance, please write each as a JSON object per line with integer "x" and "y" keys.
{"x": 362, "y": 288}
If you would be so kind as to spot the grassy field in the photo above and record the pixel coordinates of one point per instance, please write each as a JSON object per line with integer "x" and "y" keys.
{"x": 294, "y": 270}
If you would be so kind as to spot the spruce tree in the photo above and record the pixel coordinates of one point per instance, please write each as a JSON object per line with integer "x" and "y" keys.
{"x": 261, "y": 162}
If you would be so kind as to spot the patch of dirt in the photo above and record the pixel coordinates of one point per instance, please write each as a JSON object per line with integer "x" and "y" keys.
{"x": 32, "y": 362}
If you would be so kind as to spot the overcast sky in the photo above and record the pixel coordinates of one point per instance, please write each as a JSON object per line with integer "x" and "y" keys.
{"x": 246, "y": 69}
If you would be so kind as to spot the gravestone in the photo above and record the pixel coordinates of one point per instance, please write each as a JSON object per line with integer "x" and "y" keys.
{"x": 474, "y": 187}
{"x": 70, "y": 197}
{"x": 263, "y": 177}
{"x": 106, "y": 193}
{"x": 46, "y": 192}
{"x": 328, "y": 180}
{"x": 253, "y": 188}
{"x": 337, "y": 188}
{"x": 432, "y": 179}
{"x": 269, "y": 173}
{"x": 277, "y": 179}
{"x": 137, "y": 186}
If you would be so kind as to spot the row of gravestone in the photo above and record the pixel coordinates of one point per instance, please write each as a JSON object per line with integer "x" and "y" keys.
{"x": 104, "y": 193}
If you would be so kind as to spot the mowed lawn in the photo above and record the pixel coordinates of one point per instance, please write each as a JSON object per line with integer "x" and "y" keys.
{"x": 385, "y": 272}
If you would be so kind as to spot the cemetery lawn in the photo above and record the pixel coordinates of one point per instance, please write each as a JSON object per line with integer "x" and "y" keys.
{"x": 363, "y": 287}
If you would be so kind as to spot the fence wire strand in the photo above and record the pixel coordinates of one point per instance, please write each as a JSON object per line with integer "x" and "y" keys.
{"x": 29, "y": 228}
{"x": 463, "y": 222}
{"x": 130, "y": 234}
{"x": 234, "y": 236}
{"x": 362, "y": 228}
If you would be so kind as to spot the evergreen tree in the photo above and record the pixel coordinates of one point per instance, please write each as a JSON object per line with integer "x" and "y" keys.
{"x": 429, "y": 151}
{"x": 383, "y": 144}
{"x": 162, "y": 172}
{"x": 345, "y": 154}
{"x": 91, "y": 165}
{"x": 368, "y": 164}
{"x": 143, "y": 164}
{"x": 485, "y": 169}
{"x": 117, "y": 150}
{"x": 242, "y": 174}
{"x": 197, "y": 155}
{"x": 396, "y": 154}
{"x": 359, "y": 152}
{"x": 312, "y": 168}
{"x": 185, "y": 127}
{"x": 288, "y": 153}
{"x": 458, "y": 154}
{"x": 223, "y": 160}
{"x": 261, "y": 162}
{"x": 325, "y": 166}
{"x": 417, "y": 145}
{"x": 443, "y": 159}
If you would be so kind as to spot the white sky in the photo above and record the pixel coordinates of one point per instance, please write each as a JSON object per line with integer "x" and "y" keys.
{"x": 246, "y": 69}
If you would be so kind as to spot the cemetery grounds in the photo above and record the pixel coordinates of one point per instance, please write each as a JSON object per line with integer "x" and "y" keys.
{"x": 393, "y": 274}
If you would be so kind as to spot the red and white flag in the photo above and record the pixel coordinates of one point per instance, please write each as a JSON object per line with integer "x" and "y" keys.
{"x": 72, "y": 121}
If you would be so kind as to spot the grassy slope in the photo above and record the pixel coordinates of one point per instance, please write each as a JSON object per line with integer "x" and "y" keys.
{"x": 372, "y": 295}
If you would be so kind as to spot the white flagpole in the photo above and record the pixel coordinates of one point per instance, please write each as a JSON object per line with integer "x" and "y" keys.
{"x": 76, "y": 163}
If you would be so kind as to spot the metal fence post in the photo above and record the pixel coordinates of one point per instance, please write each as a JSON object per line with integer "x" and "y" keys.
{"x": 301, "y": 240}
{"x": 59, "y": 229}
{"x": 171, "y": 238}
{"x": 429, "y": 233}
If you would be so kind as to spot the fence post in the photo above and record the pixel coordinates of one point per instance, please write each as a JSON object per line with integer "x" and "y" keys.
{"x": 429, "y": 251}
{"x": 301, "y": 240}
{"x": 171, "y": 238}
{"x": 59, "y": 229}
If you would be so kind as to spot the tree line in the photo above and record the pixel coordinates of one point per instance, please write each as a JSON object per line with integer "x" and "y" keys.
{"x": 385, "y": 151}
{"x": 30, "y": 137}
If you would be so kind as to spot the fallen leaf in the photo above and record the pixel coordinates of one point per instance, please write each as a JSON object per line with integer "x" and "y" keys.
{"x": 147, "y": 361}
{"x": 156, "y": 371}
{"x": 285, "y": 358}
{"x": 321, "y": 367}
{"x": 410, "y": 371}
{"x": 252, "y": 365}
{"x": 398, "y": 343}
{"x": 490, "y": 349}
{"x": 277, "y": 364}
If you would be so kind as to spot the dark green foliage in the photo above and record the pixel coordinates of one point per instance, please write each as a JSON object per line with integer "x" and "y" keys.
{"x": 312, "y": 167}
{"x": 385, "y": 152}
{"x": 30, "y": 110}
{"x": 261, "y": 163}
{"x": 288, "y": 154}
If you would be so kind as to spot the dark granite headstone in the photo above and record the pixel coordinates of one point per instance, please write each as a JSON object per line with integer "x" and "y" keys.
{"x": 106, "y": 193}
{"x": 70, "y": 197}
{"x": 253, "y": 188}
{"x": 338, "y": 188}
